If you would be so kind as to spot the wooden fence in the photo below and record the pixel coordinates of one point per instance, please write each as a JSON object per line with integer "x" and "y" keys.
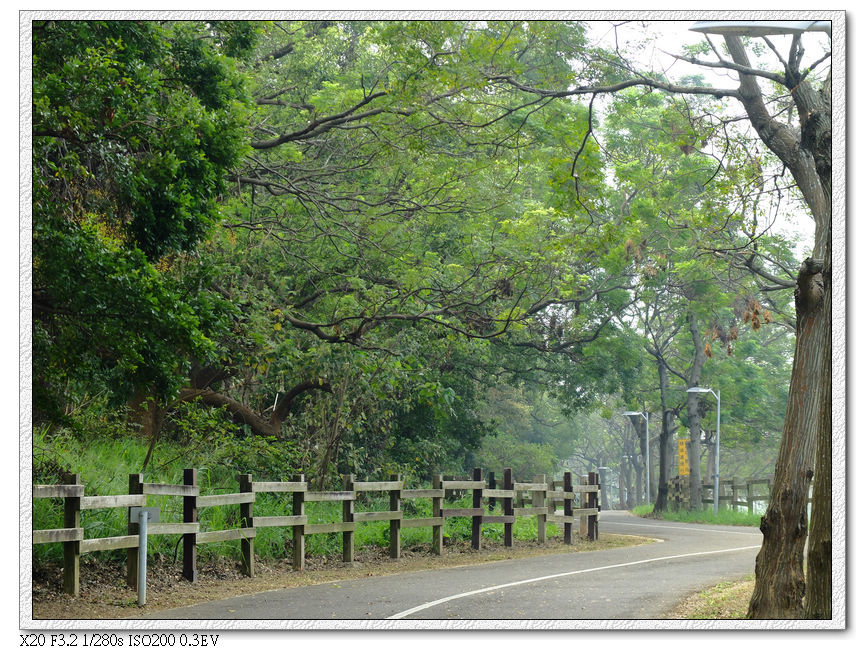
{"x": 551, "y": 501}
{"x": 732, "y": 493}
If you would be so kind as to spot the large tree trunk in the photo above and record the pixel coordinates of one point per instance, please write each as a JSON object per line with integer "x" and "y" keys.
{"x": 653, "y": 487}
{"x": 780, "y": 583}
{"x": 818, "y": 587}
{"x": 695, "y": 417}
{"x": 663, "y": 441}
{"x": 817, "y": 138}
{"x": 780, "y": 580}
{"x": 638, "y": 463}
{"x": 631, "y": 495}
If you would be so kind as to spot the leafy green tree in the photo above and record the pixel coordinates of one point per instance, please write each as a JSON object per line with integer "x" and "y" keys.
{"x": 135, "y": 124}
{"x": 391, "y": 211}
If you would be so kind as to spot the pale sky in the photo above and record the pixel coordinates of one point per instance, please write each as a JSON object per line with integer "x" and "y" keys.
{"x": 671, "y": 36}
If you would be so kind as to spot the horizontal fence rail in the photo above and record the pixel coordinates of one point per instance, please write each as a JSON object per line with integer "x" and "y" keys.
{"x": 732, "y": 493}
{"x": 549, "y": 501}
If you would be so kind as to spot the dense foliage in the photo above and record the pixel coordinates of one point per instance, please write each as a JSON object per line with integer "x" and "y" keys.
{"x": 378, "y": 247}
{"x": 135, "y": 125}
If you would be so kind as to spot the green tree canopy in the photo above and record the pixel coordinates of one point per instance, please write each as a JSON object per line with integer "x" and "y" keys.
{"x": 134, "y": 126}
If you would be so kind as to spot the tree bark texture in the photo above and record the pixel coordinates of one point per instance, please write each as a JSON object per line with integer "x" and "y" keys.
{"x": 818, "y": 587}
{"x": 780, "y": 580}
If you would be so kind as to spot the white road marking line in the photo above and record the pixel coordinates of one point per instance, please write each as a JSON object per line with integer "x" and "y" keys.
{"x": 687, "y": 527}
{"x": 433, "y": 603}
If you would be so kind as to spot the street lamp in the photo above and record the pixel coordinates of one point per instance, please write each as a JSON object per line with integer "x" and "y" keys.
{"x": 645, "y": 416}
{"x": 697, "y": 389}
{"x": 761, "y": 27}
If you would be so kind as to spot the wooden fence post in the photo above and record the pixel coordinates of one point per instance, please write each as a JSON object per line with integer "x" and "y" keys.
{"x": 749, "y": 495}
{"x": 247, "y": 546}
{"x": 298, "y": 538}
{"x": 568, "y": 486}
{"x": 593, "y": 503}
{"x": 136, "y": 486}
{"x": 71, "y": 550}
{"x": 539, "y": 501}
{"x": 477, "y": 496}
{"x": 190, "y": 516}
{"x": 491, "y": 480}
{"x": 584, "y": 503}
{"x": 395, "y": 524}
{"x": 348, "y": 516}
{"x": 437, "y": 531}
{"x": 508, "y": 507}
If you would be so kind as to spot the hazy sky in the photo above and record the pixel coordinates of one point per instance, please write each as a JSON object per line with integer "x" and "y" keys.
{"x": 647, "y": 42}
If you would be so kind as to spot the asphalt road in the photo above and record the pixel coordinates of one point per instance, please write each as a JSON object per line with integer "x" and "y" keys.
{"x": 639, "y": 582}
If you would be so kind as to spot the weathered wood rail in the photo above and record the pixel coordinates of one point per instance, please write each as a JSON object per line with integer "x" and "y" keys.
{"x": 550, "y": 502}
{"x": 732, "y": 493}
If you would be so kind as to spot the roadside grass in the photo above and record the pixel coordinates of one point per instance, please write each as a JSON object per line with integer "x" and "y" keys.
{"x": 105, "y": 465}
{"x": 724, "y": 517}
{"x": 728, "y": 600}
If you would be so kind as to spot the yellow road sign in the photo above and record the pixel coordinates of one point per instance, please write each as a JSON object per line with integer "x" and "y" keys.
{"x": 684, "y": 469}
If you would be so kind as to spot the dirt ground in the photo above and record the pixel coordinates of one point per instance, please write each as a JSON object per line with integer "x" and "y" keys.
{"x": 105, "y": 595}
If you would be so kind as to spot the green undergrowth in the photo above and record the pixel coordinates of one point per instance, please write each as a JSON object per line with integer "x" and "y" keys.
{"x": 706, "y": 516}
{"x": 105, "y": 465}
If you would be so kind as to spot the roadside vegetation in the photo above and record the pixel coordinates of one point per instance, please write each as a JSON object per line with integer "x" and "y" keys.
{"x": 706, "y": 516}
{"x": 728, "y": 600}
{"x": 105, "y": 464}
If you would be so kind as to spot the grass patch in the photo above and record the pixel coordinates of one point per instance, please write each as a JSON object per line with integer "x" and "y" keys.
{"x": 707, "y": 516}
{"x": 728, "y": 600}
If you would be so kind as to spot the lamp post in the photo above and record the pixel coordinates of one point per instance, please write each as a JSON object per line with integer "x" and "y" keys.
{"x": 698, "y": 389}
{"x": 761, "y": 27}
{"x": 645, "y": 416}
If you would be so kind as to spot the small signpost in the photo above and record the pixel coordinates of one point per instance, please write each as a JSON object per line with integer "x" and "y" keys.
{"x": 141, "y": 516}
{"x": 684, "y": 469}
